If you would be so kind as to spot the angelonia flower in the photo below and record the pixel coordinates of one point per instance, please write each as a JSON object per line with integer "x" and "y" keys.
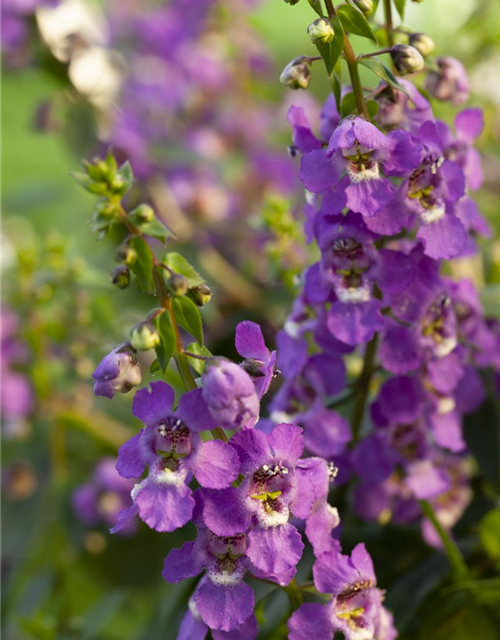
{"x": 119, "y": 371}
{"x": 17, "y": 398}
{"x": 100, "y": 499}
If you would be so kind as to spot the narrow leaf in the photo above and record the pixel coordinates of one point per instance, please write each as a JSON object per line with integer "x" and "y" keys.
{"x": 400, "y": 7}
{"x": 199, "y": 350}
{"x": 382, "y": 71}
{"x": 180, "y": 265}
{"x": 165, "y": 349}
{"x": 316, "y": 5}
{"x": 188, "y": 316}
{"x": 355, "y": 22}
{"x": 143, "y": 266}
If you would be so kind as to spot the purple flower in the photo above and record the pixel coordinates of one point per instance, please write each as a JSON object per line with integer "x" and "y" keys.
{"x": 119, "y": 371}
{"x": 397, "y": 110}
{"x": 263, "y": 501}
{"x": 223, "y": 600}
{"x": 170, "y": 444}
{"x": 449, "y": 83}
{"x": 355, "y": 607}
{"x": 101, "y": 498}
{"x": 230, "y": 394}
{"x": 259, "y": 361}
{"x": 359, "y": 151}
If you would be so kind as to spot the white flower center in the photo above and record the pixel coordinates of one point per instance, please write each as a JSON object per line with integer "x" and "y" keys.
{"x": 433, "y": 214}
{"x": 363, "y": 172}
{"x": 353, "y": 294}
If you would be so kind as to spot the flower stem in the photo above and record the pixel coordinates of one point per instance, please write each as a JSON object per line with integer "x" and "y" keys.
{"x": 455, "y": 558}
{"x": 352, "y": 66}
{"x": 364, "y": 387}
{"x": 389, "y": 28}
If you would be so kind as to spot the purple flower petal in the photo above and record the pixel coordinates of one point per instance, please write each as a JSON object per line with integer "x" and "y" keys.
{"x": 318, "y": 172}
{"x": 354, "y": 323}
{"x": 224, "y": 512}
{"x": 312, "y": 484}
{"x": 123, "y": 518}
{"x": 447, "y": 429}
{"x": 399, "y": 350}
{"x": 404, "y": 155}
{"x": 153, "y": 404}
{"x": 164, "y": 507}
{"x": 250, "y": 341}
{"x": 215, "y": 464}
{"x": 393, "y": 217}
{"x": 248, "y": 630}
{"x": 225, "y": 608}
{"x": 468, "y": 125}
{"x": 446, "y": 238}
{"x": 275, "y": 550}
{"x": 303, "y": 137}
{"x": 252, "y": 447}
{"x": 352, "y": 130}
{"x": 194, "y": 412}
{"x": 368, "y": 197}
{"x": 400, "y": 399}
{"x": 396, "y": 271}
{"x": 426, "y": 480}
{"x": 311, "y": 621}
{"x": 319, "y": 527}
{"x": 131, "y": 462}
{"x": 326, "y": 432}
{"x": 182, "y": 563}
{"x": 191, "y": 628}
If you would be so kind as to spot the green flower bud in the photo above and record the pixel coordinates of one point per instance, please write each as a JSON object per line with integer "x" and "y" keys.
{"x": 297, "y": 73}
{"x": 177, "y": 285}
{"x": 422, "y": 43}
{"x": 321, "y": 31}
{"x": 406, "y": 59}
{"x": 292, "y": 2}
{"x": 120, "y": 276}
{"x": 365, "y": 6}
{"x": 98, "y": 170}
{"x": 200, "y": 295}
{"x": 126, "y": 254}
{"x": 144, "y": 336}
{"x": 143, "y": 213}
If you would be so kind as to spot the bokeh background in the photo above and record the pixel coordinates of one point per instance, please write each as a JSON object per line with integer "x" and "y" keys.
{"x": 188, "y": 91}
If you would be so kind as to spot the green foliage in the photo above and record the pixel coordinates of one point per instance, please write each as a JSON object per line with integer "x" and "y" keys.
{"x": 143, "y": 266}
{"x": 355, "y": 22}
{"x": 489, "y": 533}
{"x": 188, "y": 316}
{"x": 400, "y": 6}
{"x": 199, "y": 350}
{"x": 180, "y": 265}
{"x": 383, "y": 71}
{"x": 165, "y": 350}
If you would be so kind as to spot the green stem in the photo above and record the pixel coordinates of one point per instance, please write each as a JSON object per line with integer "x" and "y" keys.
{"x": 455, "y": 558}
{"x": 389, "y": 28}
{"x": 294, "y": 594}
{"x": 364, "y": 387}
{"x": 352, "y": 66}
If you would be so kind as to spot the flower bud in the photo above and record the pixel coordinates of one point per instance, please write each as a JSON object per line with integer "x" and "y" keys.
{"x": 98, "y": 170}
{"x": 200, "y": 295}
{"x": 297, "y": 73}
{"x": 144, "y": 336}
{"x": 422, "y": 43}
{"x": 365, "y": 6}
{"x": 230, "y": 394}
{"x": 126, "y": 254}
{"x": 118, "y": 372}
{"x": 120, "y": 276}
{"x": 449, "y": 82}
{"x": 143, "y": 213}
{"x": 321, "y": 31}
{"x": 177, "y": 285}
{"x": 406, "y": 59}
{"x": 292, "y": 2}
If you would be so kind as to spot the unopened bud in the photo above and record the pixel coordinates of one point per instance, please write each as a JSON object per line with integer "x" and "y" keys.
{"x": 253, "y": 367}
{"x": 126, "y": 254}
{"x": 406, "y": 59}
{"x": 98, "y": 170}
{"x": 321, "y": 31}
{"x": 365, "y": 6}
{"x": 449, "y": 81}
{"x": 297, "y": 73}
{"x": 177, "y": 284}
{"x": 144, "y": 336}
{"x": 200, "y": 295}
{"x": 422, "y": 43}
{"x": 143, "y": 213}
{"x": 292, "y": 2}
{"x": 120, "y": 276}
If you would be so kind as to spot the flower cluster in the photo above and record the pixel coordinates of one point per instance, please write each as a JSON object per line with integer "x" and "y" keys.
{"x": 385, "y": 207}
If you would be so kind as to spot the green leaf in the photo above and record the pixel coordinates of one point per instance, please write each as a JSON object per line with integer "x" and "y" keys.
{"x": 348, "y": 105}
{"x": 199, "y": 350}
{"x": 316, "y": 5}
{"x": 188, "y": 316}
{"x": 179, "y": 264}
{"x": 331, "y": 52}
{"x": 382, "y": 71}
{"x": 143, "y": 266}
{"x": 400, "y": 7}
{"x": 337, "y": 89}
{"x": 355, "y": 22}
{"x": 165, "y": 349}
{"x": 155, "y": 366}
{"x": 155, "y": 229}
{"x": 489, "y": 533}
